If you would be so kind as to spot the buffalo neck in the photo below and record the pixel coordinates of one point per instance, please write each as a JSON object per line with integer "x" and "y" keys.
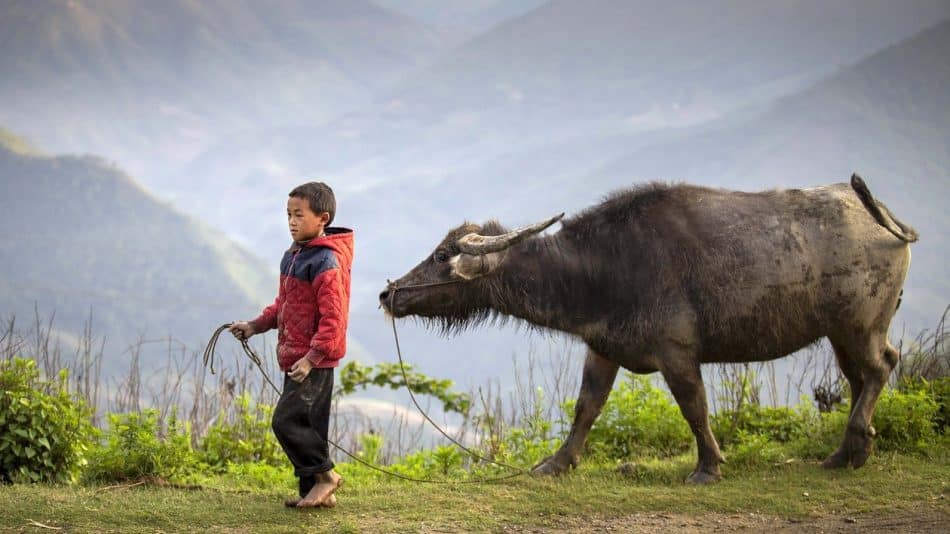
{"x": 544, "y": 282}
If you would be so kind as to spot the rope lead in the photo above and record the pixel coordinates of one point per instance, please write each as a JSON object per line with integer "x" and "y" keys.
{"x": 208, "y": 360}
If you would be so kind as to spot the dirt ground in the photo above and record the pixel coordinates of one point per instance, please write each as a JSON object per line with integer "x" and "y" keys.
{"x": 926, "y": 519}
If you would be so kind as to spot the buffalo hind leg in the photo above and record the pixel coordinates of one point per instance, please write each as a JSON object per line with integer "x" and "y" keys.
{"x": 849, "y": 368}
{"x": 873, "y": 358}
{"x": 599, "y": 375}
{"x": 683, "y": 376}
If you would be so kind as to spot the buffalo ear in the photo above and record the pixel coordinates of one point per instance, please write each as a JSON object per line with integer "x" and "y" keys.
{"x": 469, "y": 267}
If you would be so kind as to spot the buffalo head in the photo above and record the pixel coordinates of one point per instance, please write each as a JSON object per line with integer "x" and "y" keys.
{"x": 448, "y": 285}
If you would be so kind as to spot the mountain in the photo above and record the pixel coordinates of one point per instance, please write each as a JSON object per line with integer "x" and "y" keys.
{"x": 81, "y": 237}
{"x": 517, "y": 123}
{"x": 464, "y": 18}
{"x": 152, "y": 83}
{"x": 559, "y": 90}
{"x": 545, "y": 112}
{"x": 887, "y": 118}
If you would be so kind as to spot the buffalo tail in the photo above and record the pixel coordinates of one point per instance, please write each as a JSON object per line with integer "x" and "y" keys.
{"x": 881, "y": 214}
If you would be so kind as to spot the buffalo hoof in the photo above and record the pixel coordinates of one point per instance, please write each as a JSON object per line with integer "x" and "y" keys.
{"x": 837, "y": 460}
{"x": 854, "y": 451}
{"x": 550, "y": 466}
{"x": 702, "y": 477}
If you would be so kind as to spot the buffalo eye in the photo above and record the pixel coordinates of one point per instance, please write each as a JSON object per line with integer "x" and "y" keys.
{"x": 441, "y": 256}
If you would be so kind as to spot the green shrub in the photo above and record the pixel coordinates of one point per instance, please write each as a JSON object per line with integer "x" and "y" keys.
{"x": 137, "y": 446}
{"x": 821, "y": 432}
{"x": 371, "y": 448}
{"x": 905, "y": 421}
{"x": 444, "y": 461}
{"x": 528, "y": 443}
{"x": 750, "y": 449}
{"x": 638, "y": 419}
{"x": 44, "y": 431}
{"x": 781, "y": 424}
{"x": 245, "y": 437}
{"x": 938, "y": 390}
{"x": 355, "y": 375}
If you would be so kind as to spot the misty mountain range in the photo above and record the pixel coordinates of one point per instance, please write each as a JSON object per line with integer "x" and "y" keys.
{"x": 423, "y": 114}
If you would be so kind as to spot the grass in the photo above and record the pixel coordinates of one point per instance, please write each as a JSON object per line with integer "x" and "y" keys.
{"x": 889, "y": 483}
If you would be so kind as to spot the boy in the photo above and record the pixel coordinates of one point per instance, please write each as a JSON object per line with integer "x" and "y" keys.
{"x": 310, "y": 314}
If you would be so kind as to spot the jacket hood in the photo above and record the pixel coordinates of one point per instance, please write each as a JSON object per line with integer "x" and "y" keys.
{"x": 337, "y": 239}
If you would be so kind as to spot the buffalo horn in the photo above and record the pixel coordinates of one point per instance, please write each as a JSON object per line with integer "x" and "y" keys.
{"x": 477, "y": 244}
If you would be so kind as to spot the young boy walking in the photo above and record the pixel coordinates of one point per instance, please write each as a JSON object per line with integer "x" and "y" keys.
{"x": 310, "y": 315}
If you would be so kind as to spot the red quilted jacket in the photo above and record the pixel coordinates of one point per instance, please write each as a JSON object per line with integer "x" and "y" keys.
{"x": 313, "y": 301}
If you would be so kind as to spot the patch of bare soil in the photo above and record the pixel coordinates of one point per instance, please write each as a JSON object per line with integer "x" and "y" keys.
{"x": 926, "y": 519}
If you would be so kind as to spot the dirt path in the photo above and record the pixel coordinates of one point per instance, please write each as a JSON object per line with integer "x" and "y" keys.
{"x": 925, "y": 519}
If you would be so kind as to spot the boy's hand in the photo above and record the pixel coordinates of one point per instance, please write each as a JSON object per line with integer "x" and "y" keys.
{"x": 300, "y": 369}
{"x": 242, "y": 329}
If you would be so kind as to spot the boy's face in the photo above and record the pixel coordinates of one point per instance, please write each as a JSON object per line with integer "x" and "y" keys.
{"x": 303, "y": 222}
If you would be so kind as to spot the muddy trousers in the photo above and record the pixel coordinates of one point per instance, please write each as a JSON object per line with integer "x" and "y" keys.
{"x": 301, "y": 423}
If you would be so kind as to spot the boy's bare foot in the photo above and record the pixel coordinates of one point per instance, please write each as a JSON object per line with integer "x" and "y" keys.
{"x": 327, "y": 483}
{"x": 330, "y": 502}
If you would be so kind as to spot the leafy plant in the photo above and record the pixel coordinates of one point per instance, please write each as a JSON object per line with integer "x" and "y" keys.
{"x": 820, "y": 432}
{"x": 44, "y": 431}
{"x": 905, "y": 421}
{"x": 939, "y": 390}
{"x": 528, "y": 443}
{"x": 355, "y": 376}
{"x": 137, "y": 446}
{"x": 781, "y": 423}
{"x": 638, "y": 419}
{"x": 751, "y": 449}
{"x": 243, "y": 437}
{"x": 371, "y": 447}
{"x": 441, "y": 462}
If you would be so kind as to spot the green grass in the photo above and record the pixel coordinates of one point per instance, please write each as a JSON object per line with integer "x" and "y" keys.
{"x": 889, "y": 483}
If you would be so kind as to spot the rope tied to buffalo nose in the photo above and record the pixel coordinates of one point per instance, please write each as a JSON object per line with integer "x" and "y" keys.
{"x": 208, "y": 360}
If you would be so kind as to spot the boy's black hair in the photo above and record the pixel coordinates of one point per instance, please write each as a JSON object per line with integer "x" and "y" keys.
{"x": 320, "y": 197}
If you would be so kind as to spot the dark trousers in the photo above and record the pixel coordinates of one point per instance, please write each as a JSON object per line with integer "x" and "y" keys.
{"x": 301, "y": 423}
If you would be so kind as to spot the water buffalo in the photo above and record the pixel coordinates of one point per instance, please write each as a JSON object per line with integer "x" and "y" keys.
{"x": 668, "y": 277}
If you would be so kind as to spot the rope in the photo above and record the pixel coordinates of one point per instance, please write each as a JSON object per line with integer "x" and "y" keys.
{"x": 475, "y": 455}
{"x": 208, "y": 360}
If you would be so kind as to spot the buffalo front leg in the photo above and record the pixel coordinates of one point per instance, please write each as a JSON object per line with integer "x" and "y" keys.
{"x": 599, "y": 375}
{"x": 685, "y": 380}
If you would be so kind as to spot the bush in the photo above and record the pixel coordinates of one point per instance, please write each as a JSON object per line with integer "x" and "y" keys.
{"x": 752, "y": 449}
{"x": 781, "y": 424}
{"x": 533, "y": 440}
{"x": 44, "y": 431}
{"x": 355, "y": 376}
{"x": 938, "y": 390}
{"x": 638, "y": 419}
{"x": 905, "y": 421}
{"x": 821, "y": 432}
{"x": 444, "y": 461}
{"x": 137, "y": 446}
{"x": 245, "y": 438}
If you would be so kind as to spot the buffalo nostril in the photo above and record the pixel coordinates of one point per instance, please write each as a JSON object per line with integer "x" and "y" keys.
{"x": 384, "y": 295}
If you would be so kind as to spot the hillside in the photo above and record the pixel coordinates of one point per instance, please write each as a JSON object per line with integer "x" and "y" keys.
{"x": 82, "y": 237}
{"x": 151, "y": 83}
{"x": 464, "y": 18}
{"x": 557, "y": 91}
{"x": 438, "y": 150}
